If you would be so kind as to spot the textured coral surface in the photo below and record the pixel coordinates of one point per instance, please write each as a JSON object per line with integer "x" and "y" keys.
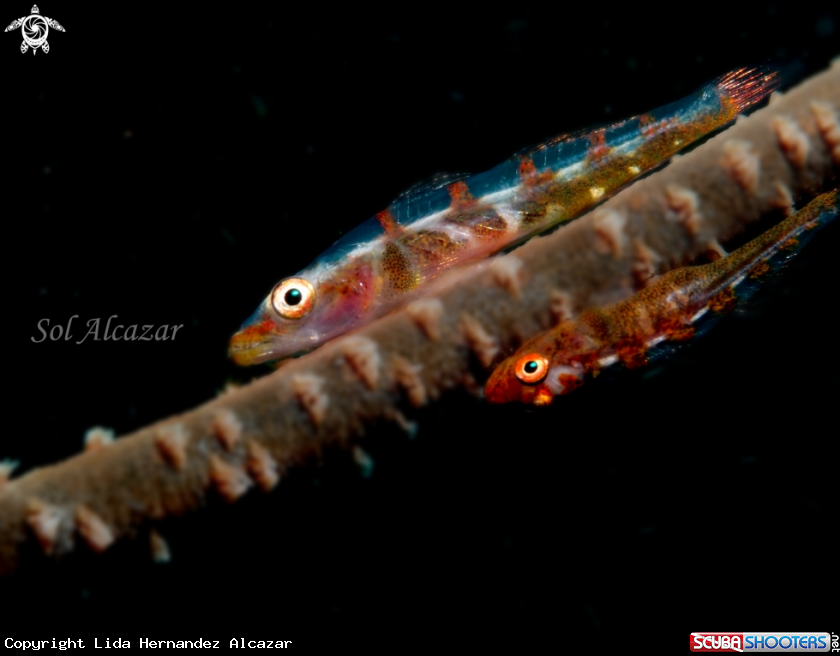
{"x": 185, "y": 185}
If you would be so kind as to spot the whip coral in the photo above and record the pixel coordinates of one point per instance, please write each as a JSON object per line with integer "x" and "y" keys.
{"x": 249, "y": 438}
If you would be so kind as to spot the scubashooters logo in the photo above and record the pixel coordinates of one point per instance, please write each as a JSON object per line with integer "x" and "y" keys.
{"x": 34, "y": 29}
{"x": 761, "y": 642}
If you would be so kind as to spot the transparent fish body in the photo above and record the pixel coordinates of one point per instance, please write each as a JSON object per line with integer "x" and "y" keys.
{"x": 395, "y": 256}
{"x": 558, "y": 361}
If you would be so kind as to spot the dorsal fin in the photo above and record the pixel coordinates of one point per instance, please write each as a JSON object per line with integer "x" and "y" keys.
{"x": 572, "y": 136}
{"x": 548, "y": 143}
{"x": 435, "y": 182}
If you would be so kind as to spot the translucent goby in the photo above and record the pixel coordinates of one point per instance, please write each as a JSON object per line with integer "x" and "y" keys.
{"x": 559, "y": 361}
{"x": 397, "y": 255}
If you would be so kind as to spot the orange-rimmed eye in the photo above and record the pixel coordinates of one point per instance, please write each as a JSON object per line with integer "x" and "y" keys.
{"x": 531, "y": 369}
{"x": 292, "y": 298}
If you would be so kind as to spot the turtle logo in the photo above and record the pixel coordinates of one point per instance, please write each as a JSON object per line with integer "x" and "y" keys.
{"x": 35, "y": 29}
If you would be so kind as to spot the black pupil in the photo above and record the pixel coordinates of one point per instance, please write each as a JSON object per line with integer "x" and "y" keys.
{"x": 293, "y": 297}
{"x": 530, "y": 367}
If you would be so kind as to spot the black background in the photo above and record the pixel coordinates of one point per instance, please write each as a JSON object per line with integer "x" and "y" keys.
{"x": 170, "y": 165}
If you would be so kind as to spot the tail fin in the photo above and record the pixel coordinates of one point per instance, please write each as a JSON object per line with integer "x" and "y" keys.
{"x": 746, "y": 87}
{"x": 771, "y": 251}
{"x": 818, "y": 213}
{"x": 785, "y": 241}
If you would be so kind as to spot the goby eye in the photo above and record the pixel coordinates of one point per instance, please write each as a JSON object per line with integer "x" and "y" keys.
{"x": 531, "y": 369}
{"x": 293, "y": 298}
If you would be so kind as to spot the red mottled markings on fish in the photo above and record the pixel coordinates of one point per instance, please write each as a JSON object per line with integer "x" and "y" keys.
{"x": 527, "y": 170}
{"x": 676, "y": 329}
{"x": 760, "y": 270}
{"x": 460, "y": 195}
{"x": 598, "y": 145}
{"x": 430, "y": 247}
{"x": 724, "y": 301}
{"x": 484, "y": 223}
{"x": 264, "y": 327}
{"x": 528, "y": 174}
{"x": 353, "y": 282}
{"x": 647, "y": 124}
{"x": 481, "y": 220}
{"x": 389, "y": 223}
{"x": 631, "y": 352}
{"x": 569, "y": 382}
